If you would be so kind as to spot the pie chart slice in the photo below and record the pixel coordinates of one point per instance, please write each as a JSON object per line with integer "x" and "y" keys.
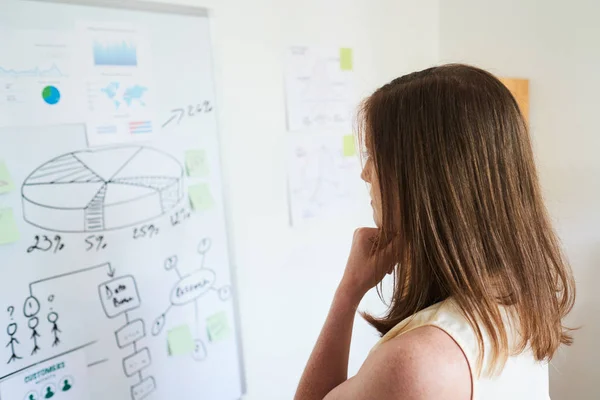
{"x": 51, "y": 95}
{"x": 76, "y": 192}
{"x": 65, "y": 168}
{"x": 61, "y": 196}
{"x": 107, "y": 162}
{"x": 149, "y": 162}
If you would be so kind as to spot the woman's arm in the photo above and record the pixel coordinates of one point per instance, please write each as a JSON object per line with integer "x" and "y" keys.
{"x": 328, "y": 363}
{"x": 327, "y": 366}
{"x": 424, "y": 364}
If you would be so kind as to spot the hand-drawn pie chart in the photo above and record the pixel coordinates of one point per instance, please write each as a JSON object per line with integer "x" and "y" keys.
{"x": 102, "y": 189}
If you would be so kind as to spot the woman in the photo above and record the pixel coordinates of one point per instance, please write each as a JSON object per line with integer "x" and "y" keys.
{"x": 481, "y": 286}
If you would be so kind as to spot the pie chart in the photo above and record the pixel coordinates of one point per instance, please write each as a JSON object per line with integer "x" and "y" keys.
{"x": 102, "y": 189}
{"x": 51, "y": 95}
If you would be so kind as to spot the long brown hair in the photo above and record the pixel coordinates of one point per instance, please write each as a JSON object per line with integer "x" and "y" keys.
{"x": 463, "y": 210}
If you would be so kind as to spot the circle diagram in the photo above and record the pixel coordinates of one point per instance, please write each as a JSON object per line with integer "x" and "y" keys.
{"x": 102, "y": 189}
{"x": 51, "y": 95}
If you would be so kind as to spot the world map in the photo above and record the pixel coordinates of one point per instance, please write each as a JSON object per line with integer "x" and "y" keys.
{"x": 129, "y": 95}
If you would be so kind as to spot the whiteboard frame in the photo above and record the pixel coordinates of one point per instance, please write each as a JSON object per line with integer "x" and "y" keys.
{"x": 136, "y": 5}
{"x": 200, "y": 12}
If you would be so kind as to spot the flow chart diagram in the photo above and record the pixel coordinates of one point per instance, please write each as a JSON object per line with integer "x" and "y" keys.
{"x": 189, "y": 289}
{"x": 118, "y": 296}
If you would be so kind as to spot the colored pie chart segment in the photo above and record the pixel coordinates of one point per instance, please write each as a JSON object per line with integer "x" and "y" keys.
{"x": 51, "y": 95}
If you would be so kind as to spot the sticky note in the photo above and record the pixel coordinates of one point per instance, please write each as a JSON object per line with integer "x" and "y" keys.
{"x": 180, "y": 341}
{"x": 346, "y": 61}
{"x": 349, "y": 146}
{"x": 200, "y": 197}
{"x": 6, "y": 183}
{"x": 9, "y": 233}
{"x": 196, "y": 163}
{"x": 218, "y": 327}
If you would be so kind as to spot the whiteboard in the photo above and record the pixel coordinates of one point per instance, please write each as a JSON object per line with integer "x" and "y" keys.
{"x": 115, "y": 272}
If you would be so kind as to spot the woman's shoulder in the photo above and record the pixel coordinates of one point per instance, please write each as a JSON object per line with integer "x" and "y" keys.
{"x": 424, "y": 364}
{"x": 425, "y": 361}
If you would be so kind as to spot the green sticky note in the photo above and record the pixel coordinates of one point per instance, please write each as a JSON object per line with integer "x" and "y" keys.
{"x": 218, "y": 327}
{"x": 9, "y": 233}
{"x": 6, "y": 183}
{"x": 349, "y": 146}
{"x": 200, "y": 197}
{"x": 346, "y": 60}
{"x": 196, "y": 163}
{"x": 180, "y": 341}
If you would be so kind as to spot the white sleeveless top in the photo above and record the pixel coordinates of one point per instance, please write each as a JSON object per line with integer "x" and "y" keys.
{"x": 522, "y": 377}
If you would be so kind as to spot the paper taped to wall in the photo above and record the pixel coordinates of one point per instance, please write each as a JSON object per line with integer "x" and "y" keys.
{"x": 62, "y": 378}
{"x": 319, "y": 86}
{"x": 40, "y": 83}
{"x": 324, "y": 177}
{"x": 119, "y": 82}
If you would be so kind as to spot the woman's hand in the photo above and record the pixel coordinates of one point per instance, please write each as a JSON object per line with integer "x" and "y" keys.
{"x": 327, "y": 366}
{"x": 366, "y": 267}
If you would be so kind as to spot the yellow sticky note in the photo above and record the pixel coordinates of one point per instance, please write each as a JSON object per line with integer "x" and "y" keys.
{"x": 9, "y": 233}
{"x": 6, "y": 183}
{"x": 349, "y": 146}
{"x": 200, "y": 197}
{"x": 196, "y": 163}
{"x": 346, "y": 60}
{"x": 218, "y": 327}
{"x": 180, "y": 341}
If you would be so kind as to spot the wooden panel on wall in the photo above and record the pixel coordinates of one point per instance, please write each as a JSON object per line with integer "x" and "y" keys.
{"x": 520, "y": 90}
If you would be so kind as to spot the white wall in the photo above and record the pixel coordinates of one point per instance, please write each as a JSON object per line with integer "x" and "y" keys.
{"x": 555, "y": 44}
{"x": 286, "y": 277}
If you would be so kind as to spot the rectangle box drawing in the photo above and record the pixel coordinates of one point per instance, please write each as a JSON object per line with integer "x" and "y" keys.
{"x": 143, "y": 389}
{"x": 130, "y": 332}
{"x": 137, "y": 362}
{"x": 119, "y": 295}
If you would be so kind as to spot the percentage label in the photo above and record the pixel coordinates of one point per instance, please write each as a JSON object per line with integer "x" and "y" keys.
{"x": 145, "y": 231}
{"x": 95, "y": 242}
{"x": 46, "y": 244}
{"x": 179, "y": 216}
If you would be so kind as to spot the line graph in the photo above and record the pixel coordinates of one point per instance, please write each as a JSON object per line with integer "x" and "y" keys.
{"x": 36, "y": 72}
